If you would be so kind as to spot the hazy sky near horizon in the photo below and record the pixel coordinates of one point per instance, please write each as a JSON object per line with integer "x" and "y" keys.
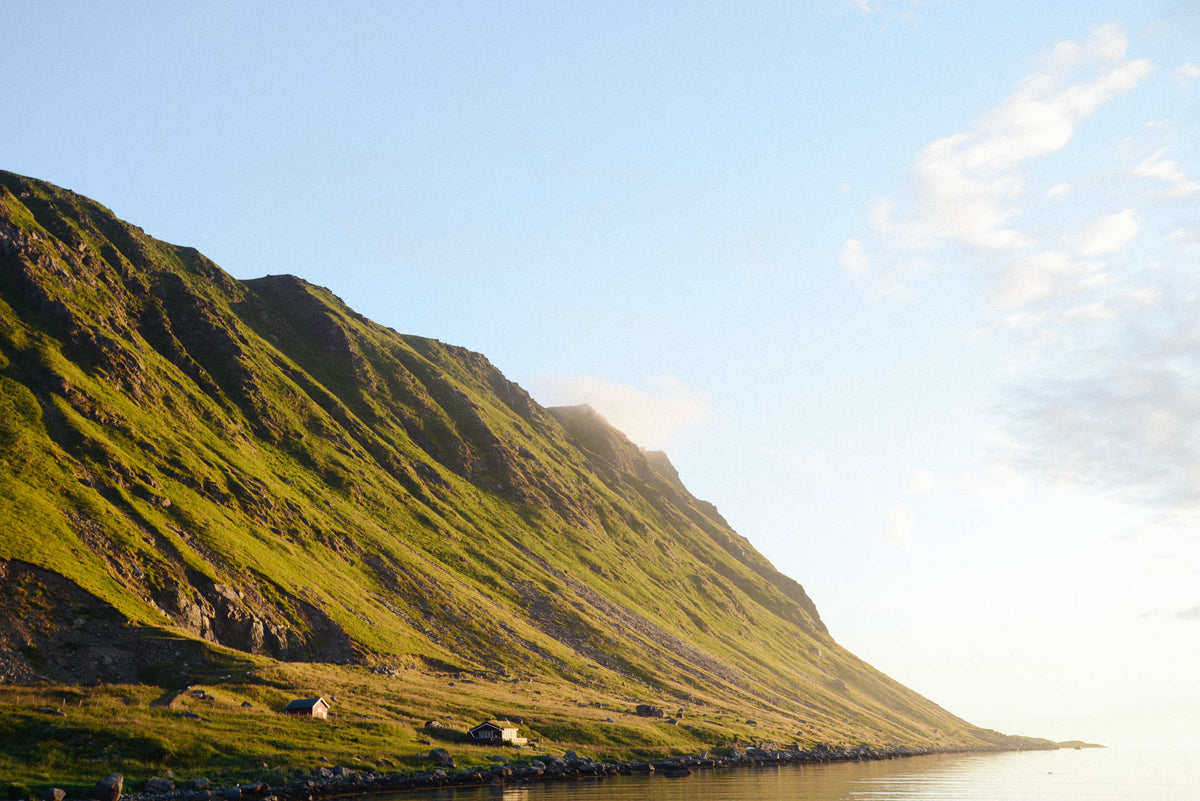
{"x": 909, "y": 289}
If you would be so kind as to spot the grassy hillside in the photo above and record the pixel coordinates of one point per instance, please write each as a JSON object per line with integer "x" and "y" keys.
{"x": 204, "y": 477}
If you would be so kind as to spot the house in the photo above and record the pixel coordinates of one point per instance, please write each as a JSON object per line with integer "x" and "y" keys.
{"x": 308, "y": 708}
{"x": 496, "y": 732}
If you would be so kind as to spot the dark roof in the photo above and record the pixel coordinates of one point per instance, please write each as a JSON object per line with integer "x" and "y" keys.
{"x": 496, "y": 724}
{"x": 305, "y": 703}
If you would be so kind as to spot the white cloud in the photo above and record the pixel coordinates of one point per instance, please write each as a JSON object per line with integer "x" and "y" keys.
{"x": 1090, "y": 312}
{"x": 1058, "y": 191}
{"x": 1108, "y": 41}
{"x": 1048, "y": 275}
{"x": 853, "y": 257}
{"x": 862, "y": 6}
{"x": 1184, "y": 241}
{"x": 1186, "y": 72}
{"x": 1107, "y": 234}
{"x": 899, "y": 528}
{"x": 1160, "y": 168}
{"x": 1142, "y": 296}
{"x": 661, "y": 418}
{"x": 1105, "y": 372}
{"x": 969, "y": 184}
{"x": 1117, "y": 404}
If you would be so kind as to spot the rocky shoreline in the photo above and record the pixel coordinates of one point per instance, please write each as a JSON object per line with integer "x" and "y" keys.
{"x": 326, "y": 782}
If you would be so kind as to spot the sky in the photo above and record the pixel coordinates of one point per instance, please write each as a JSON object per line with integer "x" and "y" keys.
{"x": 908, "y": 289}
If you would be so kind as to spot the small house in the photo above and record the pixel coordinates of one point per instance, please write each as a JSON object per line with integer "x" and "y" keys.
{"x": 497, "y": 732}
{"x": 308, "y": 708}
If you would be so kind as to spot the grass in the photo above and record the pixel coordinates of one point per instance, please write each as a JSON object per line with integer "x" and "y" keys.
{"x": 369, "y": 498}
{"x": 59, "y": 735}
{"x": 69, "y": 737}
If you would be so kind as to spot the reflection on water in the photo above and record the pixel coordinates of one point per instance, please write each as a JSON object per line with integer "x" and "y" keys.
{"x": 1094, "y": 775}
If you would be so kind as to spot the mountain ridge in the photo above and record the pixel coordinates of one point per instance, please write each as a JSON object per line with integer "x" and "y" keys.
{"x": 249, "y": 469}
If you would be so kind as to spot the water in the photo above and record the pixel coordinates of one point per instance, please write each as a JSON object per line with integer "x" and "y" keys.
{"x": 1088, "y": 775}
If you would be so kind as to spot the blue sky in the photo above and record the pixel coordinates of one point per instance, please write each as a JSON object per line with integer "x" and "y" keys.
{"x": 908, "y": 289}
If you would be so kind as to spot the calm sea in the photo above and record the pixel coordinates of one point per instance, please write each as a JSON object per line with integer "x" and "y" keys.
{"x": 1110, "y": 774}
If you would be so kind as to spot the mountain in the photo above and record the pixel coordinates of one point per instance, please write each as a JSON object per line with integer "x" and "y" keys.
{"x": 198, "y": 471}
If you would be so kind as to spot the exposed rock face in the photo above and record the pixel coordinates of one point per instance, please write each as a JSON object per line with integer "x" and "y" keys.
{"x": 220, "y": 614}
{"x": 68, "y": 634}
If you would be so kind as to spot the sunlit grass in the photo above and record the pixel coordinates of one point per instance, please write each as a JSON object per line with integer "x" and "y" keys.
{"x": 380, "y": 499}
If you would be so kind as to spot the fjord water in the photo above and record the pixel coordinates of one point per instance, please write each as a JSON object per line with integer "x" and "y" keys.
{"x": 1090, "y": 775}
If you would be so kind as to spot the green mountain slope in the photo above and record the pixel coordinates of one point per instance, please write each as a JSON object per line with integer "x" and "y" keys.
{"x": 190, "y": 461}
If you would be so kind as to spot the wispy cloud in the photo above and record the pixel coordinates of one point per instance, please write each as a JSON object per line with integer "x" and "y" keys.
{"x": 1121, "y": 407}
{"x": 1163, "y": 169}
{"x": 853, "y": 257}
{"x": 969, "y": 185}
{"x": 663, "y": 417}
{"x": 1101, "y": 304}
{"x": 1107, "y": 234}
{"x": 1058, "y": 191}
{"x": 1048, "y": 275}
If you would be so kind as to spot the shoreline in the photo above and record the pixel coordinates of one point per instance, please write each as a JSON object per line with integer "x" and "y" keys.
{"x": 340, "y": 782}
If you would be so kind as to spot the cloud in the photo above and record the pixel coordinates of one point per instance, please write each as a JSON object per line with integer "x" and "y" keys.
{"x": 1092, "y": 312}
{"x": 661, "y": 418}
{"x": 1186, "y": 72}
{"x": 1048, "y": 275}
{"x": 1184, "y": 241}
{"x": 969, "y": 184}
{"x": 1058, "y": 191}
{"x": 899, "y": 528}
{"x": 853, "y": 257}
{"x": 1120, "y": 409}
{"x": 1107, "y": 234}
{"x": 1160, "y": 168}
{"x": 1103, "y": 315}
{"x": 1190, "y": 614}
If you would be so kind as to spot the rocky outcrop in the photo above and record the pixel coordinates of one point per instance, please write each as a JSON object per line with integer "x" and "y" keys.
{"x": 218, "y": 614}
{"x": 234, "y": 618}
{"x": 52, "y": 628}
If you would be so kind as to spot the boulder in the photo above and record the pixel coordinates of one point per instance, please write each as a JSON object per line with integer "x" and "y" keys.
{"x": 157, "y": 785}
{"x": 442, "y": 757}
{"x": 650, "y": 711}
{"x": 109, "y": 788}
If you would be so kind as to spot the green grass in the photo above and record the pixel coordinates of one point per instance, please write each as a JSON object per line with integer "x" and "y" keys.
{"x": 379, "y": 499}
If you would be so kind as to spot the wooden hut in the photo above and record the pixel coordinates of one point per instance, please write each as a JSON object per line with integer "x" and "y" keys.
{"x": 308, "y": 708}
